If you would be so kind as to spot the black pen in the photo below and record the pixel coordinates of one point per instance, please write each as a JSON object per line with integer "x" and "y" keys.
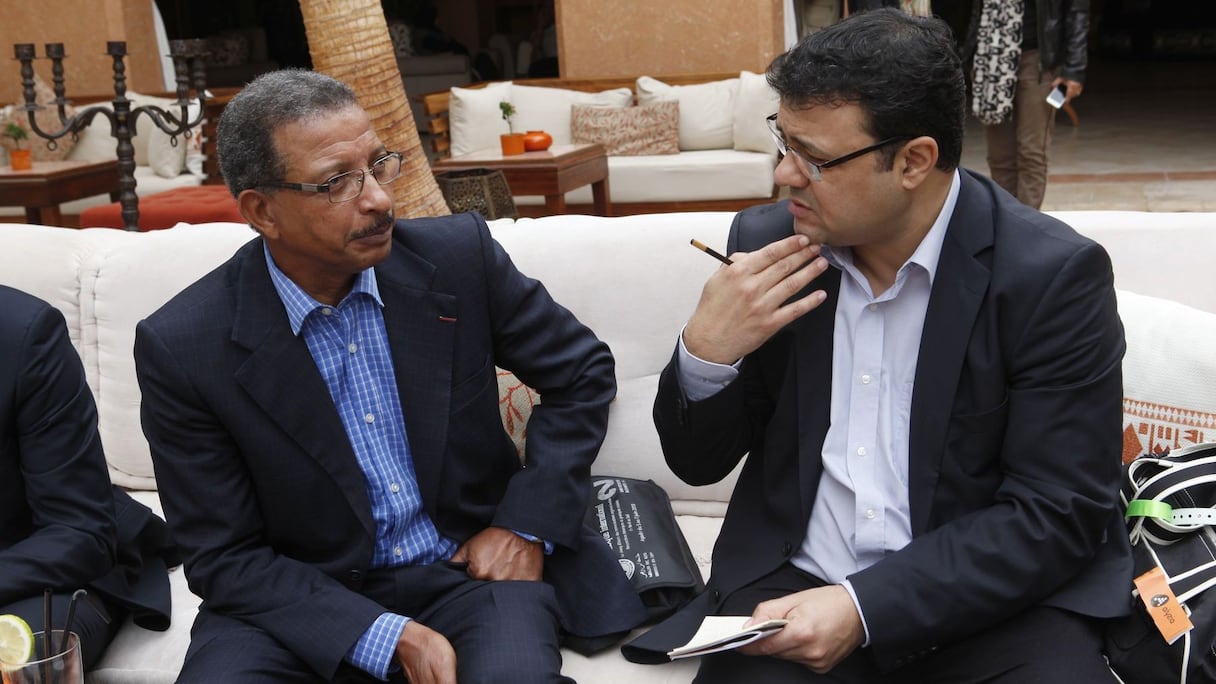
{"x": 702, "y": 246}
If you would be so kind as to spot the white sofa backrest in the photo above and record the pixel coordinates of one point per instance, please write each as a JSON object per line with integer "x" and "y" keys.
{"x": 1166, "y": 254}
{"x": 105, "y": 281}
{"x": 634, "y": 280}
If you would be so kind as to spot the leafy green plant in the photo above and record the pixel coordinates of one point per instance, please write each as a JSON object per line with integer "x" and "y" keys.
{"x": 17, "y": 132}
{"x": 508, "y": 111}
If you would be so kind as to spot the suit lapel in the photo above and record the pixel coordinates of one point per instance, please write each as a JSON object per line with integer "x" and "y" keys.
{"x": 813, "y": 360}
{"x": 421, "y": 327}
{"x": 954, "y": 303}
{"x": 282, "y": 378}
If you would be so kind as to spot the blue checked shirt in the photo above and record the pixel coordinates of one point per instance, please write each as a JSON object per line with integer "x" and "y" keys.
{"x": 350, "y": 347}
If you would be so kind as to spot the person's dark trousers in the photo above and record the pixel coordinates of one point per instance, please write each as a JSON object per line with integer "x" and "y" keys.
{"x": 87, "y": 623}
{"x": 502, "y": 632}
{"x": 1042, "y": 645}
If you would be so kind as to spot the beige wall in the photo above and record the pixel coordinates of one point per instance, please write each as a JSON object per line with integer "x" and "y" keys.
{"x": 83, "y": 26}
{"x": 636, "y": 37}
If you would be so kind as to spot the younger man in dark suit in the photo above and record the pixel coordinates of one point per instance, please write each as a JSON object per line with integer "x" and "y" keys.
{"x": 323, "y": 416}
{"x": 924, "y": 377}
{"x": 62, "y": 526}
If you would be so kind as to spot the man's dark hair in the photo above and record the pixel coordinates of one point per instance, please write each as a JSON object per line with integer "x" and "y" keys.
{"x": 245, "y": 138}
{"x": 903, "y": 71}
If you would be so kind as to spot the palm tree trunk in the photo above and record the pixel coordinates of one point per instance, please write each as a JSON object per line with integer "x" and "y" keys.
{"x": 348, "y": 39}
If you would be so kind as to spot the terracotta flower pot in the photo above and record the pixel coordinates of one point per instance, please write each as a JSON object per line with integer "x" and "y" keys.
{"x": 512, "y": 143}
{"x": 20, "y": 160}
{"x": 535, "y": 141}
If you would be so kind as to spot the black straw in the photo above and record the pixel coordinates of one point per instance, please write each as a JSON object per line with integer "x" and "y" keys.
{"x": 46, "y": 634}
{"x": 67, "y": 623}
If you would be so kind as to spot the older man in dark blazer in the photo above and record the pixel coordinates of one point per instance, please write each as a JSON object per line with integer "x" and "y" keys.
{"x": 62, "y": 526}
{"x": 323, "y": 416}
{"x": 924, "y": 377}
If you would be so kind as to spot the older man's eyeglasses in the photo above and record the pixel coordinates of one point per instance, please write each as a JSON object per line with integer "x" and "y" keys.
{"x": 814, "y": 170}
{"x": 346, "y": 186}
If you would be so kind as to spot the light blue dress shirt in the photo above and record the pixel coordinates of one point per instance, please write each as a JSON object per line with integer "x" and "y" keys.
{"x": 349, "y": 344}
{"x": 861, "y": 510}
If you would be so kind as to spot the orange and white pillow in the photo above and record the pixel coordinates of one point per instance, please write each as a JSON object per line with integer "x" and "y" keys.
{"x": 1169, "y": 400}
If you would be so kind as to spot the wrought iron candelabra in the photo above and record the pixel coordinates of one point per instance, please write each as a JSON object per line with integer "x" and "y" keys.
{"x": 188, "y": 66}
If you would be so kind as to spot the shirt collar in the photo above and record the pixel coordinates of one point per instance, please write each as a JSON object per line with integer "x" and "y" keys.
{"x": 928, "y": 252}
{"x": 299, "y": 304}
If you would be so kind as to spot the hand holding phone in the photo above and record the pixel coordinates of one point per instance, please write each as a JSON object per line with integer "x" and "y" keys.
{"x": 1057, "y": 96}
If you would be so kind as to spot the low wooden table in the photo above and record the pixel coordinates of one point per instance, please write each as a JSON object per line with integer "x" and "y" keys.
{"x": 42, "y": 188}
{"x": 551, "y": 173}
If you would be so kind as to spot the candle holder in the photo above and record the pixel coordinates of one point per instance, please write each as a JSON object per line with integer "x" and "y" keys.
{"x": 189, "y": 71}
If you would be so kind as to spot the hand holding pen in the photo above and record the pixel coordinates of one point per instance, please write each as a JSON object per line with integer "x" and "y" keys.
{"x": 744, "y": 305}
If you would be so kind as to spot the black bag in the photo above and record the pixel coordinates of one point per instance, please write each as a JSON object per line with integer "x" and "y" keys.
{"x": 635, "y": 519}
{"x": 1170, "y": 500}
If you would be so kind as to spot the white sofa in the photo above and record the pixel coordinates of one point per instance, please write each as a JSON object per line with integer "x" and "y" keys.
{"x": 634, "y": 280}
{"x": 726, "y": 154}
{"x": 160, "y": 163}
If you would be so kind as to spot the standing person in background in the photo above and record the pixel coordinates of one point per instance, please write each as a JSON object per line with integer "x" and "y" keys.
{"x": 1020, "y": 51}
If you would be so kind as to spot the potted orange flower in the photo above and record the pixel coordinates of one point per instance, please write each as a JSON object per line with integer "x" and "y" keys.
{"x": 512, "y": 143}
{"x": 19, "y": 159}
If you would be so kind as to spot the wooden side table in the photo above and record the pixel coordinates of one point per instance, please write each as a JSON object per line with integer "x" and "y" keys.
{"x": 42, "y": 188}
{"x": 551, "y": 173}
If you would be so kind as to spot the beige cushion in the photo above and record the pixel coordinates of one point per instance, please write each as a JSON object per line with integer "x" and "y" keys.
{"x": 48, "y": 122}
{"x": 474, "y": 117}
{"x": 548, "y": 109}
{"x": 646, "y": 129}
{"x": 161, "y": 151}
{"x": 754, "y": 102}
{"x": 706, "y": 110}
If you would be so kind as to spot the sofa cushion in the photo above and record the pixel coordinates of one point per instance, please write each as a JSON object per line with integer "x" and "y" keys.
{"x": 706, "y": 110}
{"x": 548, "y": 109}
{"x": 684, "y": 177}
{"x": 153, "y": 147}
{"x": 645, "y": 129}
{"x": 134, "y": 276}
{"x": 1166, "y": 405}
{"x": 755, "y": 101}
{"x": 474, "y": 117}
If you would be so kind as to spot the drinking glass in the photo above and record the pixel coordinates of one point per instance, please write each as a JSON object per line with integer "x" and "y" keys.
{"x": 62, "y": 668}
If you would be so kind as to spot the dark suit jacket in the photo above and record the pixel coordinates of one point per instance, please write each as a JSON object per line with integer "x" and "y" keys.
{"x": 59, "y": 527}
{"x": 1014, "y": 442}
{"x": 260, "y": 483}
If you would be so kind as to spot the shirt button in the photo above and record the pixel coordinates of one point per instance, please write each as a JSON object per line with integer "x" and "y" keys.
{"x": 394, "y": 488}
{"x": 398, "y": 552}
{"x": 861, "y": 451}
{"x": 353, "y": 347}
{"x": 869, "y": 514}
{"x": 369, "y": 418}
{"x": 327, "y": 311}
{"x": 872, "y": 307}
{"x": 865, "y": 379}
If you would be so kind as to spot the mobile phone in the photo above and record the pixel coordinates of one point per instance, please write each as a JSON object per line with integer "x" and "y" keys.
{"x": 1056, "y": 97}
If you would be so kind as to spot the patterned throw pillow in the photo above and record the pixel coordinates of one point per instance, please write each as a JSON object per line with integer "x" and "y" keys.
{"x": 1168, "y": 399}
{"x": 629, "y": 131}
{"x": 48, "y": 121}
{"x": 515, "y": 402}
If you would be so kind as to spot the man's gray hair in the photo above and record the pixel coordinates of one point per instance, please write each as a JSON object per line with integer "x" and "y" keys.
{"x": 245, "y": 138}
